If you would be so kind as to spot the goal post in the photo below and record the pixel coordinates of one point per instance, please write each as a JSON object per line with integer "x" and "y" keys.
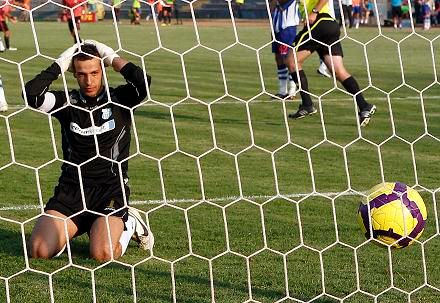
{"x": 246, "y": 204}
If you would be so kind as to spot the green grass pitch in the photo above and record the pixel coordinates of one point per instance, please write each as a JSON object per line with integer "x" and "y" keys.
{"x": 209, "y": 131}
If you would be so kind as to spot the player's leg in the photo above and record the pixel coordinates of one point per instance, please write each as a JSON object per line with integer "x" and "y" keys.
{"x": 305, "y": 47}
{"x": 49, "y": 234}
{"x": 165, "y": 16}
{"x": 118, "y": 231}
{"x": 72, "y": 29}
{"x": 281, "y": 49}
{"x": 299, "y": 76}
{"x": 170, "y": 15}
{"x": 396, "y": 19}
{"x": 366, "y": 110}
{"x": 282, "y": 73}
{"x": 8, "y": 40}
{"x": 78, "y": 27}
{"x": 104, "y": 238}
{"x": 2, "y": 47}
{"x": 109, "y": 236}
{"x": 3, "y": 103}
{"x": 399, "y": 15}
{"x": 7, "y": 36}
{"x": 138, "y": 16}
{"x": 350, "y": 15}
{"x": 356, "y": 13}
{"x": 367, "y": 15}
{"x": 323, "y": 70}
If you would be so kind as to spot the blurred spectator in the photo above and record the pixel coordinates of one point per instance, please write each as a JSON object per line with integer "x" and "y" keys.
{"x": 396, "y": 13}
{"x": 346, "y": 13}
{"x": 167, "y": 9}
{"x": 418, "y": 15}
{"x": 159, "y": 9}
{"x": 5, "y": 15}
{"x": 117, "y": 7}
{"x": 91, "y": 6}
{"x": 368, "y": 11}
{"x": 426, "y": 9}
{"x": 136, "y": 12}
{"x": 77, "y": 8}
{"x": 405, "y": 9}
{"x": 356, "y": 5}
{"x": 100, "y": 11}
{"x": 239, "y": 6}
{"x": 177, "y": 5}
{"x": 24, "y": 16}
{"x": 150, "y": 10}
{"x": 436, "y": 13}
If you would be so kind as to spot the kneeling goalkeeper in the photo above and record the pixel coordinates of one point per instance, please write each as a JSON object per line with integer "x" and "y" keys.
{"x": 92, "y": 190}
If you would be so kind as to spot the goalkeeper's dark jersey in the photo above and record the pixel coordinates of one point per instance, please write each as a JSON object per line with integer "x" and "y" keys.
{"x": 86, "y": 117}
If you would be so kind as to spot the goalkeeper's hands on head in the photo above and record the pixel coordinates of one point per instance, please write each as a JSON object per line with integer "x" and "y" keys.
{"x": 106, "y": 52}
{"x": 65, "y": 59}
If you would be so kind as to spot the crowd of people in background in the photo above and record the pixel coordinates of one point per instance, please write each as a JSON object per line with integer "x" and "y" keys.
{"x": 163, "y": 10}
{"x": 425, "y": 12}
{"x": 356, "y": 12}
{"x": 353, "y": 12}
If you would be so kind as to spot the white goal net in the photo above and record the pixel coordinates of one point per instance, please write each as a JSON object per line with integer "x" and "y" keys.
{"x": 246, "y": 205}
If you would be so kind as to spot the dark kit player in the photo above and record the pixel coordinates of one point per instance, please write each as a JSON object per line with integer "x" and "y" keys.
{"x": 95, "y": 137}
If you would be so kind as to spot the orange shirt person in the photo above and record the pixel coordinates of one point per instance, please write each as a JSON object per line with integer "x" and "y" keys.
{"x": 5, "y": 14}
{"x": 77, "y": 9}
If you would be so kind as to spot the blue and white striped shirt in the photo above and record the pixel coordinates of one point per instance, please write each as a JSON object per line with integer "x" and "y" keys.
{"x": 285, "y": 15}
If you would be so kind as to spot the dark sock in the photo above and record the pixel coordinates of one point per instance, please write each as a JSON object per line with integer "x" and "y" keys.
{"x": 7, "y": 42}
{"x": 352, "y": 87}
{"x": 305, "y": 97}
{"x": 282, "y": 66}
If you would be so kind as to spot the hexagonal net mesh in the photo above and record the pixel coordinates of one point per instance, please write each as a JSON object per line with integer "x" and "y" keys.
{"x": 246, "y": 204}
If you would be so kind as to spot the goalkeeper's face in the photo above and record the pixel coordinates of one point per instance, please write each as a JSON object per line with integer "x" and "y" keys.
{"x": 88, "y": 73}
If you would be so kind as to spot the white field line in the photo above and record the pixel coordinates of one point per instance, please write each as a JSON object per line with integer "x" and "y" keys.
{"x": 17, "y": 107}
{"x": 219, "y": 199}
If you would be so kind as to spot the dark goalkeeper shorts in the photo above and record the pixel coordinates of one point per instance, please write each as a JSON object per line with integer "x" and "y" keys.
{"x": 103, "y": 199}
{"x": 326, "y": 31}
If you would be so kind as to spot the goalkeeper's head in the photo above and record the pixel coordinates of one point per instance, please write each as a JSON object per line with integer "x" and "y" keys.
{"x": 86, "y": 66}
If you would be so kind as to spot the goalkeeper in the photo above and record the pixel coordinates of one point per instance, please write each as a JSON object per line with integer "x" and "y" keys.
{"x": 95, "y": 137}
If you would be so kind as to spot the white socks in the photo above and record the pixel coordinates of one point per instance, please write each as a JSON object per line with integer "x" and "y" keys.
{"x": 283, "y": 76}
{"x": 126, "y": 234}
{"x": 292, "y": 86}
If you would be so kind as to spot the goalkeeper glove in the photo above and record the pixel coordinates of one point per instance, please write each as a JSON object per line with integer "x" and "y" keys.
{"x": 65, "y": 59}
{"x": 106, "y": 52}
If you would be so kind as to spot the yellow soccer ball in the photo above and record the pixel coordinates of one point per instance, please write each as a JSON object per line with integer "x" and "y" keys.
{"x": 397, "y": 214}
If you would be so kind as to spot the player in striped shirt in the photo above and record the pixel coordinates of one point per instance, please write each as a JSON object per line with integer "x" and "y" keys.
{"x": 285, "y": 18}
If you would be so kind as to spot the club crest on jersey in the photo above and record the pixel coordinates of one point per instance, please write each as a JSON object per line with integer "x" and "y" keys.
{"x": 106, "y": 113}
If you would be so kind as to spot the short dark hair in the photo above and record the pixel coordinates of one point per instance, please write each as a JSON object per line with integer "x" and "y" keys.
{"x": 87, "y": 52}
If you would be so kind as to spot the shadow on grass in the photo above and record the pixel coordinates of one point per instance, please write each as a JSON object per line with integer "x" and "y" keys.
{"x": 11, "y": 251}
{"x": 187, "y": 282}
